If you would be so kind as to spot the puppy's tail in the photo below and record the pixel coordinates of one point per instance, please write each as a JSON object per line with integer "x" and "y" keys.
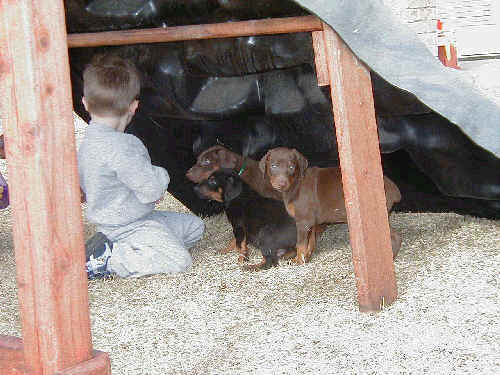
{"x": 392, "y": 193}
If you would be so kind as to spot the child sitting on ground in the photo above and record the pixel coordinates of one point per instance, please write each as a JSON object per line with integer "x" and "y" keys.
{"x": 121, "y": 185}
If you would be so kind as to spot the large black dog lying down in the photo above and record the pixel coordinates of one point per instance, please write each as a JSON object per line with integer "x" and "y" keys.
{"x": 256, "y": 220}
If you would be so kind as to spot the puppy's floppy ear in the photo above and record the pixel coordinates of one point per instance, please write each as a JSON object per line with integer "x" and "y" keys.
{"x": 214, "y": 149}
{"x": 263, "y": 162}
{"x": 301, "y": 162}
{"x": 232, "y": 188}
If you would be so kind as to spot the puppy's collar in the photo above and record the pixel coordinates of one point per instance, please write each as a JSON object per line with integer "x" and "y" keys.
{"x": 243, "y": 167}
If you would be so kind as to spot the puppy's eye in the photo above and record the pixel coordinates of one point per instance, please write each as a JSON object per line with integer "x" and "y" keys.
{"x": 205, "y": 162}
{"x": 212, "y": 181}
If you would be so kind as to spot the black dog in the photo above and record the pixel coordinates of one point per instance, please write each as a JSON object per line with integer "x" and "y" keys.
{"x": 259, "y": 221}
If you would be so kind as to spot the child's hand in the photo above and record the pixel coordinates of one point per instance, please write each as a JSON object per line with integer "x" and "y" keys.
{"x": 83, "y": 197}
{"x": 161, "y": 199}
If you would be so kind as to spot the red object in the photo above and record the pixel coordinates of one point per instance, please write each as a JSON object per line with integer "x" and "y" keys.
{"x": 450, "y": 60}
{"x": 447, "y": 54}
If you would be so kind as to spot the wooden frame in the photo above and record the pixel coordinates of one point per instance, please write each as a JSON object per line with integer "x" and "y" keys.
{"x": 35, "y": 102}
{"x": 36, "y": 110}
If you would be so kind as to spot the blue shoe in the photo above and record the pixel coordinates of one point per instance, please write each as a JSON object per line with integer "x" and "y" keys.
{"x": 97, "y": 267}
{"x": 4, "y": 193}
{"x": 96, "y": 245}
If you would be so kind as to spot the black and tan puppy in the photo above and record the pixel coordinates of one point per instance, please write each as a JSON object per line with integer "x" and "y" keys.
{"x": 259, "y": 221}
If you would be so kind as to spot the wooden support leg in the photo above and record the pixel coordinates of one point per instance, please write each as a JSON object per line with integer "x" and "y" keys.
{"x": 36, "y": 110}
{"x": 360, "y": 162}
{"x": 12, "y": 361}
{"x": 11, "y": 356}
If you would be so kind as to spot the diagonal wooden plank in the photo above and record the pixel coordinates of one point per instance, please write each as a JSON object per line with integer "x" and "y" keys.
{"x": 362, "y": 178}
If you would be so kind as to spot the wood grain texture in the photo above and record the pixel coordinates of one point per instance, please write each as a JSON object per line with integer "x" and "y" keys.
{"x": 320, "y": 62}
{"x": 362, "y": 177}
{"x": 194, "y": 32}
{"x": 40, "y": 147}
{"x": 11, "y": 356}
{"x": 99, "y": 364}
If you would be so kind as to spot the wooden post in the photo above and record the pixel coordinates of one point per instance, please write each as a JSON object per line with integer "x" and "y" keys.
{"x": 362, "y": 177}
{"x": 36, "y": 110}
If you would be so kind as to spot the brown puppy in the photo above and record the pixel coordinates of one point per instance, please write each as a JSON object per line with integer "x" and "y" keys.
{"x": 217, "y": 157}
{"x": 313, "y": 196}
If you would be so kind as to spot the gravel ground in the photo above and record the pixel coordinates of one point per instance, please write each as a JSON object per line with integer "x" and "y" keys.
{"x": 218, "y": 319}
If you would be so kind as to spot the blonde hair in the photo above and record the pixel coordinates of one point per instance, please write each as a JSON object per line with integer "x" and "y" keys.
{"x": 110, "y": 85}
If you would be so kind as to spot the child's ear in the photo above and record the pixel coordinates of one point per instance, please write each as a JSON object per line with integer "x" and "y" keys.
{"x": 133, "y": 106}
{"x": 84, "y": 101}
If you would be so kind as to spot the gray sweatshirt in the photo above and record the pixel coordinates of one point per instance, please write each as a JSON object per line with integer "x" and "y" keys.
{"x": 116, "y": 174}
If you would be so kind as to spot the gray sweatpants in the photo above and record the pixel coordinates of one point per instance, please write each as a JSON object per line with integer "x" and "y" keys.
{"x": 157, "y": 243}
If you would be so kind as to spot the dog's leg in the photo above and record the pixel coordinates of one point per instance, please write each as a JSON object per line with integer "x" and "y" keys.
{"x": 311, "y": 244}
{"x": 241, "y": 242}
{"x": 243, "y": 250}
{"x": 302, "y": 233}
{"x": 395, "y": 241}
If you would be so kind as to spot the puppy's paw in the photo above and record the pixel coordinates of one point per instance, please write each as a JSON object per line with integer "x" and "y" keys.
{"x": 265, "y": 264}
{"x": 253, "y": 267}
{"x": 286, "y": 255}
{"x": 242, "y": 258}
{"x": 299, "y": 259}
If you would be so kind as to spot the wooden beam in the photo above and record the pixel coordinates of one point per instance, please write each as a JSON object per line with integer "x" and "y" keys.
{"x": 362, "y": 178}
{"x": 11, "y": 356}
{"x": 12, "y": 361}
{"x": 36, "y": 110}
{"x": 194, "y": 32}
{"x": 320, "y": 63}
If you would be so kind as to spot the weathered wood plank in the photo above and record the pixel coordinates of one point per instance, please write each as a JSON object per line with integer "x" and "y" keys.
{"x": 194, "y": 32}
{"x": 99, "y": 364}
{"x": 320, "y": 59}
{"x": 11, "y": 356}
{"x": 45, "y": 200}
{"x": 362, "y": 178}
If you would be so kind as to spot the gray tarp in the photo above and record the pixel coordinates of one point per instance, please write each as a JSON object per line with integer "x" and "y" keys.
{"x": 395, "y": 52}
